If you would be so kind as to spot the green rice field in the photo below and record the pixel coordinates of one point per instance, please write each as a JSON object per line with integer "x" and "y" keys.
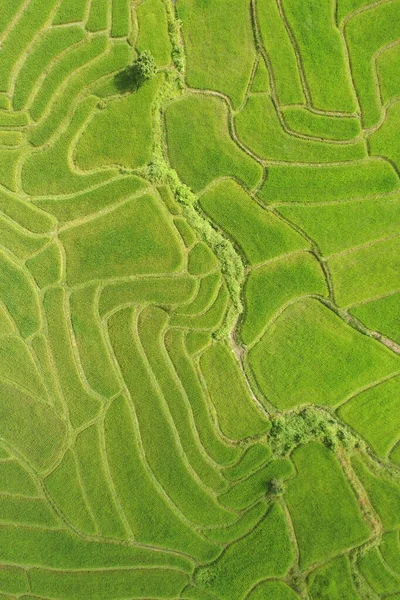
{"x": 199, "y": 299}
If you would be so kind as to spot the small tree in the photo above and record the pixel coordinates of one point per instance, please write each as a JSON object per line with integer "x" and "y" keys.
{"x": 276, "y": 487}
{"x": 133, "y": 77}
{"x": 144, "y": 67}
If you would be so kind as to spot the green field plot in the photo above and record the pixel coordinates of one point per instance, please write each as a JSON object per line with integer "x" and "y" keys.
{"x": 272, "y": 286}
{"x": 333, "y": 581}
{"x": 388, "y": 75}
{"x": 259, "y": 128}
{"x": 325, "y": 513}
{"x": 322, "y": 54}
{"x": 277, "y": 43}
{"x": 377, "y": 574}
{"x": 199, "y": 145}
{"x": 366, "y": 34}
{"x": 384, "y": 493}
{"x": 302, "y": 183}
{"x": 219, "y": 45}
{"x": 132, "y": 246}
{"x": 260, "y": 234}
{"x": 244, "y": 563}
{"x": 68, "y": 208}
{"x": 374, "y": 413}
{"x": 237, "y": 415}
{"x": 366, "y": 272}
{"x": 302, "y": 120}
{"x": 331, "y": 226}
{"x": 153, "y": 30}
{"x": 384, "y": 142}
{"x": 309, "y": 355}
{"x": 119, "y": 134}
{"x": 381, "y": 315}
{"x": 199, "y": 300}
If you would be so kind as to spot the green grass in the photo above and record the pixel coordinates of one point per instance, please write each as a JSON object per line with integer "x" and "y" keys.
{"x": 18, "y": 241}
{"x": 365, "y": 34}
{"x": 99, "y": 15}
{"x": 376, "y": 573}
{"x": 295, "y": 183}
{"x": 214, "y": 445}
{"x": 333, "y": 581}
{"x": 132, "y": 246}
{"x": 388, "y": 73}
{"x": 82, "y": 406}
{"x": 121, "y": 18}
{"x": 367, "y": 272}
{"x": 70, "y": 11}
{"x": 210, "y": 319}
{"x": 384, "y": 494}
{"x": 186, "y": 409}
{"x": 154, "y": 422}
{"x": 39, "y": 446}
{"x": 374, "y": 414}
{"x": 254, "y": 457}
{"x": 16, "y": 481}
{"x": 219, "y": 45}
{"x": 390, "y": 549}
{"x": 121, "y": 133}
{"x": 201, "y": 260}
{"x": 325, "y": 513}
{"x": 17, "y": 365}
{"x": 331, "y": 226}
{"x": 256, "y": 486}
{"x": 72, "y": 505}
{"x": 278, "y": 590}
{"x": 199, "y": 145}
{"x": 54, "y": 160}
{"x": 83, "y": 204}
{"x": 45, "y": 266}
{"x": 261, "y": 80}
{"x": 384, "y": 141}
{"x": 322, "y": 54}
{"x": 96, "y": 484}
{"x": 18, "y": 295}
{"x": 259, "y": 234}
{"x": 381, "y": 315}
{"x": 205, "y": 297}
{"x": 153, "y": 345}
{"x": 63, "y": 69}
{"x": 270, "y": 287}
{"x": 238, "y": 416}
{"x": 160, "y": 583}
{"x": 247, "y": 521}
{"x": 93, "y": 353}
{"x": 149, "y": 514}
{"x": 259, "y": 128}
{"x": 264, "y": 552}
{"x": 278, "y": 46}
{"x": 50, "y": 45}
{"x": 309, "y": 355}
{"x": 153, "y": 31}
{"x": 166, "y": 291}
{"x": 32, "y": 20}
{"x": 302, "y": 120}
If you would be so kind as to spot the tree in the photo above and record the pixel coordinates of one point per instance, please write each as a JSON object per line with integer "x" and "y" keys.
{"x": 133, "y": 77}
{"x": 276, "y": 487}
{"x": 145, "y": 66}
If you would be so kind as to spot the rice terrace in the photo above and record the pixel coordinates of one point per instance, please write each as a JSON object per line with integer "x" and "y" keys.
{"x": 200, "y": 299}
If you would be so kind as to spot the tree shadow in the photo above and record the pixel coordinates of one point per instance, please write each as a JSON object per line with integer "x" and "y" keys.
{"x": 128, "y": 80}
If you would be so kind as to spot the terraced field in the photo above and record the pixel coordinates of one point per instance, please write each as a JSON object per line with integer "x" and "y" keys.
{"x": 200, "y": 300}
